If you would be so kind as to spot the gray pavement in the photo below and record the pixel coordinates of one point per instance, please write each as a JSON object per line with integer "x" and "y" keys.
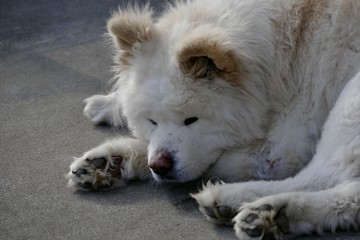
{"x": 52, "y": 56}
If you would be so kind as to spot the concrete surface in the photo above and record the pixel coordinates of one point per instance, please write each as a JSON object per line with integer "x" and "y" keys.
{"x": 52, "y": 56}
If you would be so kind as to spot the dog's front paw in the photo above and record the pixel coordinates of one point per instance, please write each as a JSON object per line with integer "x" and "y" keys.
{"x": 95, "y": 172}
{"x": 110, "y": 165}
{"x": 261, "y": 220}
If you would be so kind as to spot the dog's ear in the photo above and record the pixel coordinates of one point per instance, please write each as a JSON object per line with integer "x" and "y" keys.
{"x": 130, "y": 29}
{"x": 204, "y": 58}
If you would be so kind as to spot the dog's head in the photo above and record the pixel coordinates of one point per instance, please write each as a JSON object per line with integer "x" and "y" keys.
{"x": 186, "y": 88}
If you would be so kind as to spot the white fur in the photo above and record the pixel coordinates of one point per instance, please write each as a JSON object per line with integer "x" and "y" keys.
{"x": 99, "y": 108}
{"x": 297, "y": 56}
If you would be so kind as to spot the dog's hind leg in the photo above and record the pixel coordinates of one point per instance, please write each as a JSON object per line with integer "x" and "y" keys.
{"x": 337, "y": 160}
{"x": 110, "y": 165}
{"x": 297, "y": 213}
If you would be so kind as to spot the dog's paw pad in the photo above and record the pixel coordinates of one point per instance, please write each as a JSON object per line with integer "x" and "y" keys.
{"x": 225, "y": 212}
{"x": 263, "y": 222}
{"x": 209, "y": 206}
{"x": 220, "y": 214}
{"x": 87, "y": 174}
{"x": 98, "y": 162}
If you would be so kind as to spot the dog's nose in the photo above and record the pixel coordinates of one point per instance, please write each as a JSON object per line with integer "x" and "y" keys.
{"x": 161, "y": 163}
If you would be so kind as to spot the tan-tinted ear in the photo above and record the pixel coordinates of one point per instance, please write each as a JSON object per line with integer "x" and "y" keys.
{"x": 130, "y": 28}
{"x": 204, "y": 58}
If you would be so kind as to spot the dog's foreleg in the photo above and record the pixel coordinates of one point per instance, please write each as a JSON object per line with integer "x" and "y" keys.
{"x": 110, "y": 165}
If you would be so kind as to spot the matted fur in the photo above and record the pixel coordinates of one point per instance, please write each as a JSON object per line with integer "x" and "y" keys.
{"x": 266, "y": 93}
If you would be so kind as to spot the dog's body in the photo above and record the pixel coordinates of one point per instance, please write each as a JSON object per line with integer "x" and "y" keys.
{"x": 239, "y": 90}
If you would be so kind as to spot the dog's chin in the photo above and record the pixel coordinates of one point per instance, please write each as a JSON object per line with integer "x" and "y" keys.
{"x": 173, "y": 178}
{"x": 169, "y": 178}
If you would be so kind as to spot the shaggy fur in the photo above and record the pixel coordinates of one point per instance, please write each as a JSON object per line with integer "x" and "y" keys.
{"x": 264, "y": 92}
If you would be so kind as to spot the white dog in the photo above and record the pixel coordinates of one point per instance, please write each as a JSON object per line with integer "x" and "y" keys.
{"x": 243, "y": 90}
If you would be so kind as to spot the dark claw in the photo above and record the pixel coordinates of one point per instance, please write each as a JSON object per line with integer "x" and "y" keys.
{"x": 265, "y": 207}
{"x": 251, "y": 217}
{"x": 80, "y": 172}
{"x": 256, "y": 232}
{"x": 225, "y": 212}
{"x": 209, "y": 212}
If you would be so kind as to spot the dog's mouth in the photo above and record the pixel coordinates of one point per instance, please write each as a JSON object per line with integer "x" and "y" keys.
{"x": 167, "y": 178}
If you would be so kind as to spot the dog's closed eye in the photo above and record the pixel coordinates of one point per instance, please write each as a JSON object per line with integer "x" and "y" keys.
{"x": 152, "y": 122}
{"x": 190, "y": 121}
